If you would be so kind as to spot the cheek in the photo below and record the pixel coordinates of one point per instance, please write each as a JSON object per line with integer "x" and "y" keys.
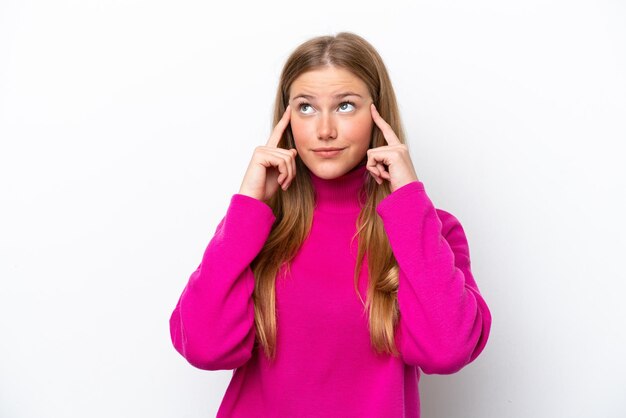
{"x": 300, "y": 130}
{"x": 358, "y": 130}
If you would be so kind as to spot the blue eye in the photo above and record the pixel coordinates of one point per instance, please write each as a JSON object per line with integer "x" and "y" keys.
{"x": 302, "y": 106}
{"x": 343, "y": 105}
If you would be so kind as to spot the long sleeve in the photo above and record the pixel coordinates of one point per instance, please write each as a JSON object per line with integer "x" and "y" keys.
{"x": 444, "y": 321}
{"x": 212, "y": 325}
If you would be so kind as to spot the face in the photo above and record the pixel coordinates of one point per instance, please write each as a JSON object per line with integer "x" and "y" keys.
{"x": 330, "y": 109}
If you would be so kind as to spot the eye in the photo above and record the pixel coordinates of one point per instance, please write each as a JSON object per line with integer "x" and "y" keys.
{"x": 303, "y": 108}
{"x": 346, "y": 107}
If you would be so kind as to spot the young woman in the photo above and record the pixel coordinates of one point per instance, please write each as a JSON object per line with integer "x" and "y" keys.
{"x": 332, "y": 280}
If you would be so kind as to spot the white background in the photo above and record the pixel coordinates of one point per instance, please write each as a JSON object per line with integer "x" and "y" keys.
{"x": 126, "y": 126}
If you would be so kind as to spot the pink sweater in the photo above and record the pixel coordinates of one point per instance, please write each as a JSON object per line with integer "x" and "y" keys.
{"x": 325, "y": 365}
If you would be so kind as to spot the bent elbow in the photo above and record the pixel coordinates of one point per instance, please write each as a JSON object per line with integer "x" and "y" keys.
{"x": 209, "y": 349}
{"x": 460, "y": 348}
{"x": 445, "y": 362}
{"x": 444, "y": 357}
{"x": 209, "y": 353}
{"x": 221, "y": 361}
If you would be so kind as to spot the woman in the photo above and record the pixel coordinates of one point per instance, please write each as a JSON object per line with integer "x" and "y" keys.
{"x": 332, "y": 195}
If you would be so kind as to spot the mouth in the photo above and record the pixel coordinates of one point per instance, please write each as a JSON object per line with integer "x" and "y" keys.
{"x": 328, "y": 152}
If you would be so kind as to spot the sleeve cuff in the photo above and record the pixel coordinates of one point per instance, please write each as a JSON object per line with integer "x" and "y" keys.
{"x": 244, "y": 200}
{"x": 246, "y": 214}
{"x": 400, "y": 196}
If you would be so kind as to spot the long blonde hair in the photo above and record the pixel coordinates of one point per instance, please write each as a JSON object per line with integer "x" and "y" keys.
{"x": 293, "y": 208}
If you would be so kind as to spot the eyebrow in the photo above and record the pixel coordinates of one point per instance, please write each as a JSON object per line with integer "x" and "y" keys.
{"x": 336, "y": 96}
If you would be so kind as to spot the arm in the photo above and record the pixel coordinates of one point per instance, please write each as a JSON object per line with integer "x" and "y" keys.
{"x": 212, "y": 325}
{"x": 444, "y": 321}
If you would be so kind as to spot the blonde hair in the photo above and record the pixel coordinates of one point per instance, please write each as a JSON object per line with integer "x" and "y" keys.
{"x": 293, "y": 208}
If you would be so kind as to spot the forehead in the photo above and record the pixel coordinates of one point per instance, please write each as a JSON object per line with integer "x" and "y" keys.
{"x": 326, "y": 81}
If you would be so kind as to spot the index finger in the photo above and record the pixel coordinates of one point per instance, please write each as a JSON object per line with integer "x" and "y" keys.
{"x": 277, "y": 133}
{"x": 388, "y": 133}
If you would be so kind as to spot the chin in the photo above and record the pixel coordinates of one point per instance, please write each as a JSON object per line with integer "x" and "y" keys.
{"x": 330, "y": 171}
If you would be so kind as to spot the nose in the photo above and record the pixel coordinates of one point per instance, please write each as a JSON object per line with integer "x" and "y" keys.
{"x": 326, "y": 127}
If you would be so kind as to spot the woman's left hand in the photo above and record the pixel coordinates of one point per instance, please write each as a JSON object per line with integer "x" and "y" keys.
{"x": 395, "y": 155}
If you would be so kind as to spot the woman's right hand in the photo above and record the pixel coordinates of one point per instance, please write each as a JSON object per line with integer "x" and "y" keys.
{"x": 270, "y": 165}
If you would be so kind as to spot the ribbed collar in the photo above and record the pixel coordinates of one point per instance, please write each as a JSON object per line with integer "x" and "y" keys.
{"x": 340, "y": 195}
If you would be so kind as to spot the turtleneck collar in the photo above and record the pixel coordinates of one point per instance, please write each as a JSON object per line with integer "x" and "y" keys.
{"x": 340, "y": 195}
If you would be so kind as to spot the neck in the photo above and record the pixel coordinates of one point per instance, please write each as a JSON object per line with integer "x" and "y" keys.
{"x": 341, "y": 194}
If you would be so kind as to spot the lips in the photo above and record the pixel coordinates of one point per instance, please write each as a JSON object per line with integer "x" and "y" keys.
{"x": 328, "y": 152}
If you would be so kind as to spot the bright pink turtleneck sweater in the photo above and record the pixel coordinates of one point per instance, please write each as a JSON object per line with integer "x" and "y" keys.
{"x": 325, "y": 365}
